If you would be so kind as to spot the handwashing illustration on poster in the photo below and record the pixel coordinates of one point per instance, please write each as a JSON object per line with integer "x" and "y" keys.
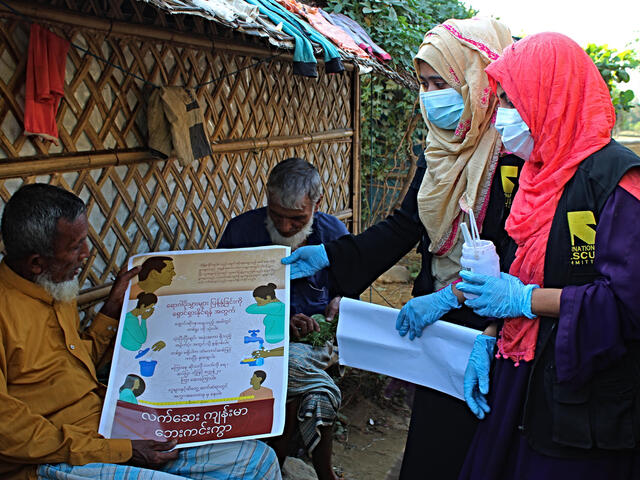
{"x": 202, "y": 347}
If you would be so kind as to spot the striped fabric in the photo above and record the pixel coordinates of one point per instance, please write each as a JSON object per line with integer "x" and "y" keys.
{"x": 319, "y": 395}
{"x": 246, "y": 460}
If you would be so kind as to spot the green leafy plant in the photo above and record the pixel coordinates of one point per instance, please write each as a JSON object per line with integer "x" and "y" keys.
{"x": 327, "y": 331}
{"x": 614, "y": 67}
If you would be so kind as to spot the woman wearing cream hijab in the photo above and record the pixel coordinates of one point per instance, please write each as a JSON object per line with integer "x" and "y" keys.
{"x": 463, "y": 170}
{"x": 462, "y": 148}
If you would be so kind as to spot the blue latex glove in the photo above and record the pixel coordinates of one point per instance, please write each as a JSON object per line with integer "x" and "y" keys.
{"x": 476, "y": 375}
{"x": 501, "y": 297}
{"x": 420, "y": 312}
{"x": 305, "y": 261}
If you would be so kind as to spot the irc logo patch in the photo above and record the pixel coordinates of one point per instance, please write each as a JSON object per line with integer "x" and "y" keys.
{"x": 509, "y": 176}
{"x": 582, "y": 230}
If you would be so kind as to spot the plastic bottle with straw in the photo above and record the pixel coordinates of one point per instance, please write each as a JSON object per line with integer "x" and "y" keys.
{"x": 479, "y": 254}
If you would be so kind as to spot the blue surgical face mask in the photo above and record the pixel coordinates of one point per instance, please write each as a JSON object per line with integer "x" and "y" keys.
{"x": 515, "y": 134}
{"x": 444, "y": 107}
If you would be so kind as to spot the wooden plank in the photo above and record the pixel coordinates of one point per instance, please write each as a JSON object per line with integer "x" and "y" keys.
{"x": 355, "y": 153}
{"x": 65, "y": 163}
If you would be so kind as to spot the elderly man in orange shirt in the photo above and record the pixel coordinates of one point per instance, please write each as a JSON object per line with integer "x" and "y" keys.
{"x": 50, "y": 397}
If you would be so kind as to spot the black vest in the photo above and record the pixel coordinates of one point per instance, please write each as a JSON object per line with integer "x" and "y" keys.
{"x": 604, "y": 414}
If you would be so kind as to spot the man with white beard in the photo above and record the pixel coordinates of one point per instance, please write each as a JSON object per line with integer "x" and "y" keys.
{"x": 291, "y": 218}
{"x": 50, "y": 397}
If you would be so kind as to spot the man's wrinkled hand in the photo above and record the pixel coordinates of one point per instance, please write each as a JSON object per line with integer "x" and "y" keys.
{"x": 301, "y": 325}
{"x": 113, "y": 304}
{"x": 151, "y": 453}
{"x": 333, "y": 309}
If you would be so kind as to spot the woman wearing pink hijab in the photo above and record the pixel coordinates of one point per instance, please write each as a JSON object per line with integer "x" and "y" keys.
{"x": 564, "y": 397}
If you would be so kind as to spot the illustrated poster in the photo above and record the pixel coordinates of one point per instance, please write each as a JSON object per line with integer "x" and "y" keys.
{"x": 202, "y": 347}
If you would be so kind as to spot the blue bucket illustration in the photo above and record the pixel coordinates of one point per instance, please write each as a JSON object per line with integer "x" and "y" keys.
{"x": 147, "y": 367}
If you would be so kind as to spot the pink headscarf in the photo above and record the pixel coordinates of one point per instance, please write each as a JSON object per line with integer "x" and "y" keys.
{"x": 562, "y": 97}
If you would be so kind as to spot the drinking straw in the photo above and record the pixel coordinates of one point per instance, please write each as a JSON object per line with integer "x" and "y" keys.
{"x": 475, "y": 234}
{"x": 465, "y": 234}
{"x": 468, "y": 239}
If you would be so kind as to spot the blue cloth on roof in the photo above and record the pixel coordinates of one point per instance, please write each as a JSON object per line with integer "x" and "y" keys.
{"x": 304, "y": 60}
{"x": 309, "y": 295}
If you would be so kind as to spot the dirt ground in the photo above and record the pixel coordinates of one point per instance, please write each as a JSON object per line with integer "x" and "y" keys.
{"x": 370, "y": 437}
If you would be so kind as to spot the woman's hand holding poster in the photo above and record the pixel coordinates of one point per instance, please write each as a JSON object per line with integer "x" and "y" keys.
{"x": 202, "y": 347}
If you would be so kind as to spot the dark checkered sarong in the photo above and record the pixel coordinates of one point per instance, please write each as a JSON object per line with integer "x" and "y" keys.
{"x": 318, "y": 393}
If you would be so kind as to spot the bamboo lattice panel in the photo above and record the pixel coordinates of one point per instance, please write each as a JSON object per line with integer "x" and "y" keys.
{"x": 105, "y": 109}
{"x": 157, "y": 204}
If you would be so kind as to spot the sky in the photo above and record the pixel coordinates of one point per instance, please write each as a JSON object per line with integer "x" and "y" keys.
{"x": 612, "y": 22}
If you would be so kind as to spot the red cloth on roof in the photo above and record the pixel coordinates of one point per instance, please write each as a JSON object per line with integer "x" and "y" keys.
{"x": 46, "y": 62}
{"x": 562, "y": 97}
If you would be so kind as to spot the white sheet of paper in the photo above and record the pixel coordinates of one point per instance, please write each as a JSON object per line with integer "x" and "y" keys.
{"x": 368, "y": 340}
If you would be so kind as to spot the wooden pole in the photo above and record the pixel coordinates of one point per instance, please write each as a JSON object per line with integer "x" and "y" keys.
{"x": 355, "y": 151}
{"x": 228, "y": 146}
{"x": 94, "y": 295}
{"x": 65, "y": 163}
{"x": 343, "y": 214}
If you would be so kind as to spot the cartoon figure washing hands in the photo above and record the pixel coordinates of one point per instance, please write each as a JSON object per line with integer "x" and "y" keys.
{"x": 273, "y": 309}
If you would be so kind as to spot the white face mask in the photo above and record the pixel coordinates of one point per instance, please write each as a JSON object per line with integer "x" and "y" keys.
{"x": 516, "y": 136}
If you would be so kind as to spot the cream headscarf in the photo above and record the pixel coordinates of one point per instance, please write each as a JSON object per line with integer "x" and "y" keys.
{"x": 460, "y": 163}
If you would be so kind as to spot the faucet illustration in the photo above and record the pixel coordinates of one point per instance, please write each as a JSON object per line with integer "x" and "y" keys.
{"x": 253, "y": 338}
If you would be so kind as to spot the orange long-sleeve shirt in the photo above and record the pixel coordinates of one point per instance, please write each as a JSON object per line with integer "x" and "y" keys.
{"x": 50, "y": 397}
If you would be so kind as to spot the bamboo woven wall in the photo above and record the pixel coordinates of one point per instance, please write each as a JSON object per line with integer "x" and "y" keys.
{"x": 138, "y": 203}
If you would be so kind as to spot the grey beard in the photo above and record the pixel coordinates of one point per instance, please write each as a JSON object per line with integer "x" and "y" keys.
{"x": 62, "y": 291}
{"x": 294, "y": 241}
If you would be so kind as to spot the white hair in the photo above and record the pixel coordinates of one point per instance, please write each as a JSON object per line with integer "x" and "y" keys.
{"x": 291, "y": 181}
